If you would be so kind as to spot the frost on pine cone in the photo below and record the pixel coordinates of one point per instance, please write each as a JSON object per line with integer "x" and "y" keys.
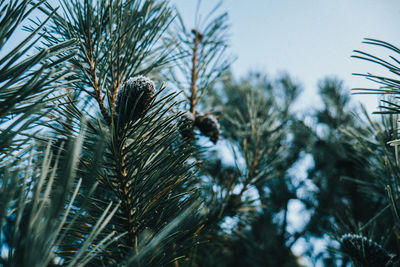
{"x": 208, "y": 126}
{"x": 134, "y": 99}
{"x": 364, "y": 250}
{"x": 186, "y": 125}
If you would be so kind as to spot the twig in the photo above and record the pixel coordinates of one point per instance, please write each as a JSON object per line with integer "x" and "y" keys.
{"x": 95, "y": 82}
{"x": 193, "y": 97}
{"x": 253, "y": 166}
{"x": 98, "y": 90}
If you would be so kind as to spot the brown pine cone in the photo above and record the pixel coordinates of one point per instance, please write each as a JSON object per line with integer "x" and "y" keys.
{"x": 208, "y": 126}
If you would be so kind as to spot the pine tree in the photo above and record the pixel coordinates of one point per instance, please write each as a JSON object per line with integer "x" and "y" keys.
{"x": 104, "y": 162}
{"x": 340, "y": 171}
{"x": 205, "y": 64}
{"x": 141, "y": 171}
{"x": 33, "y": 209}
{"x": 255, "y": 121}
{"x": 378, "y": 143}
{"x": 144, "y": 166}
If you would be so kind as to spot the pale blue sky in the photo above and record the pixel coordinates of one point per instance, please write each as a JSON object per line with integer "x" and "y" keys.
{"x": 307, "y": 38}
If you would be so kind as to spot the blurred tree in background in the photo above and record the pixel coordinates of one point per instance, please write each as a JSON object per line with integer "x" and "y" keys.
{"x": 126, "y": 141}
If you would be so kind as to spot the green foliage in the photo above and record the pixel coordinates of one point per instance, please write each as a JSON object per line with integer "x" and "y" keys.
{"x": 260, "y": 245}
{"x": 375, "y": 147}
{"x": 34, "y": 220}
{"x": 380, "y": 191}
{"x": 117, "y": 40}
{"x": 205, "y": 60}
{"x": 101, "y": 166}
{"x": 388, "y": 85}
{"x": 241, "y": 197}
{"x": 25, "y": 81}
{"x": 33, "y": 208}
{"x": 142, "y": 166}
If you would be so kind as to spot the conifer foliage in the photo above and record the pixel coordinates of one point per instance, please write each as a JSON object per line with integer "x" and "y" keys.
{"x": 143, "y": 167}
{"x": 130, "y": 177}
{"x": 126, "y": 141}
{"x": 33, "y": 208}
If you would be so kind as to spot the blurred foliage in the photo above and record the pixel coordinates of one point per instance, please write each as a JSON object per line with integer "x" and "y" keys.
{"x": 100, "y": 166}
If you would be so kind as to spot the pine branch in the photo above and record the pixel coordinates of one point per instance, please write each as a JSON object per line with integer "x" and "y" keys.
{"x": 98, "y": 92}
{"x": 193, "y": 96}
{"x": 26, "y": 82}
{"x": 388, "y": 85}
{"x": 205, "y": 62}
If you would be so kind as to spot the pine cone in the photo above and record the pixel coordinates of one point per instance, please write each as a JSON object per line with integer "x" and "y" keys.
{"x": 186, "y": 125}
{"x": 364, "y": 250}
{"x": 134, "y": 99}
{"x": 208, "y": 126}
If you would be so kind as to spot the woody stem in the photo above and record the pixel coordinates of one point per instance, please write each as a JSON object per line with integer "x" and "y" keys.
{"x": 193, "y": 98}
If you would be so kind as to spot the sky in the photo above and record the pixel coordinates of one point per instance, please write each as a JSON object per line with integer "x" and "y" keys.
{"x": 309, "y": 39}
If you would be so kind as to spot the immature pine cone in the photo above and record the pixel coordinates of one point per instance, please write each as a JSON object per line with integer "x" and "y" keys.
{"x": 186, "y": 125}
{"x": 366, "y": 251}
{"x": 208, "y": 126}
{"x": 128, "y": 96}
